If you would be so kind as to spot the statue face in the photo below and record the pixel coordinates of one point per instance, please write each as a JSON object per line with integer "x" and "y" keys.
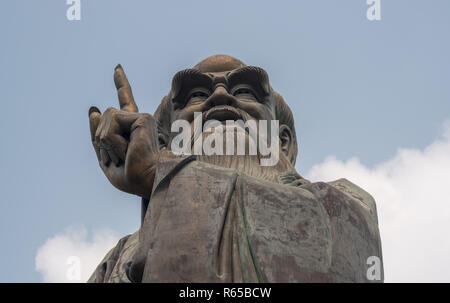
{"x": 239, "y": 94}
{"x": 223, "y": 88}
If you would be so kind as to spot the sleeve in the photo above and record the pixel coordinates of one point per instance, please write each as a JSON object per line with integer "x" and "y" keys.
{"x": 113, "y": 267}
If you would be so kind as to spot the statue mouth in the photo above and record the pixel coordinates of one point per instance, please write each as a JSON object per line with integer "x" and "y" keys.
{"x": 223, "y": 113}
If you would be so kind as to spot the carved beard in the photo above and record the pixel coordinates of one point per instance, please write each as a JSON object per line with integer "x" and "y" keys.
{"x": 250, "y": 164}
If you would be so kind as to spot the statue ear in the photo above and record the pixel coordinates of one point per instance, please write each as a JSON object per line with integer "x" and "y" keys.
{"x": 162, "y": 140}
{"x": 286, "y": 141}
{"x": 163, "y": 118}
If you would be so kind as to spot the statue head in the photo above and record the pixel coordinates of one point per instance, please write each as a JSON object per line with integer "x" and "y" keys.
{"x": 224, "y": 88}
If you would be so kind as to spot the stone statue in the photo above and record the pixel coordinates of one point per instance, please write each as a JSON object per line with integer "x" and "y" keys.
{"x": 226, "y": 218}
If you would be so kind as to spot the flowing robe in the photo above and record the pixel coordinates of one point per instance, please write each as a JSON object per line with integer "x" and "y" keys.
{"x": 205, "y": 223}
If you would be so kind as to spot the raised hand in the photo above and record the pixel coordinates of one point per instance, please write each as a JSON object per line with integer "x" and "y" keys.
{"x": 125, "y": 141}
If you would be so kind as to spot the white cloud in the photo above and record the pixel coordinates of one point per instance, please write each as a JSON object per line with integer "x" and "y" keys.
{"x": 412, "y": 191}
{"x": 58, "y": 259}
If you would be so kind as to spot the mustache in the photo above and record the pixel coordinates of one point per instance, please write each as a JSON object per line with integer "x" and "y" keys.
{"x": 225, "y": 112}
{"x": 222, "y": 113}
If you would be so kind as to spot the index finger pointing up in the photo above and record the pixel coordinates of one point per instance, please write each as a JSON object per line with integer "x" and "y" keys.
{"x": 124, "y": 93}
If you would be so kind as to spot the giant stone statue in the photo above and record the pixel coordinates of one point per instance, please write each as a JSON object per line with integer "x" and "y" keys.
{"x": 226, "y": 218}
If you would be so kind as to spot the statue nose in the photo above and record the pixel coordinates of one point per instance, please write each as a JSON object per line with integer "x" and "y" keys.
{"x": 221, "y": 96}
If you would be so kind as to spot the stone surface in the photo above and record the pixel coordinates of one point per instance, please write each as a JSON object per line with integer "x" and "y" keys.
{"x": 209, "y": 224}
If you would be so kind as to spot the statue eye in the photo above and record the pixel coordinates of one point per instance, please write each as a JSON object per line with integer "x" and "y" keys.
{"x": 197, "y": 96}
{"x": 245, "y": 93}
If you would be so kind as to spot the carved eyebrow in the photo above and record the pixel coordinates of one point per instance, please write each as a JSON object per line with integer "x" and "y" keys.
{"x": 185, "y": 80}
{"x": 253, "y": 76}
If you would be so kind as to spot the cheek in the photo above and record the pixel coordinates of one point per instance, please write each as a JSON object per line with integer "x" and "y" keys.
{"x": 187, "y": 113}
{"x": 256, "y": 110}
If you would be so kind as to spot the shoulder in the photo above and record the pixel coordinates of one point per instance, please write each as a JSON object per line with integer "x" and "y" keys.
{"x": 359, "y": 195}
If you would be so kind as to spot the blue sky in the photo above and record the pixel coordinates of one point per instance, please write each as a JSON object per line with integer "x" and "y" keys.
{"x": 357, "y": 89}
